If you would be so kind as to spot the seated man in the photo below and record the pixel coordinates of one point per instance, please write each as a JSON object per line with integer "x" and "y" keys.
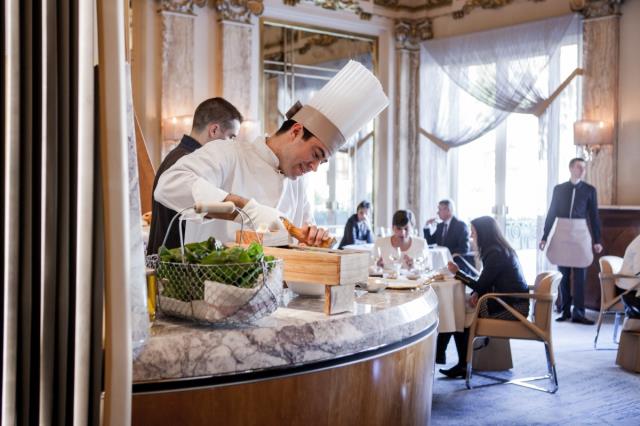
{"x": 450, "y": 233}
{"x": 631, "y": 267}
{"x": 357, "y": 229}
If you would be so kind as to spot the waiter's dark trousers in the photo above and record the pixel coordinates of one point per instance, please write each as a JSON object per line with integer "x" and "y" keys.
{"x": 579, "y": 278}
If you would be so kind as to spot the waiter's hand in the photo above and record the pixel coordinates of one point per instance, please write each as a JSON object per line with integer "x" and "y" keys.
{"x": 262, "y": 215}
{"x": 453, "y": 267}
{"x": 597, "y": 248}
{"x": 314, "y": 235}
{"x": 542, "y": 245}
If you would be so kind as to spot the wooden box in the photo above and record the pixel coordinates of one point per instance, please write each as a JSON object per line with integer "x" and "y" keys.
{"x": 322, "y": 266}
{"x": 629, "y": 351}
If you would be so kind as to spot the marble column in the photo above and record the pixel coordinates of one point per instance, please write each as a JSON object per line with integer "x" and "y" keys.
{"x": 177, "y": 61}
{"x": 240, "y": 50}
{"x": 601, "y": 38}
{"x": 407, "y": 150}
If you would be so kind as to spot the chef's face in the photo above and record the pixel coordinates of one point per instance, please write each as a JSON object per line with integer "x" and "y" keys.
{"x": 402, "y": 232}
{"x": 302, "y": 156}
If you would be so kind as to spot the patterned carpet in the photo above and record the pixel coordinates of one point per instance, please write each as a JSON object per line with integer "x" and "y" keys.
{"x": 592, "y": 388}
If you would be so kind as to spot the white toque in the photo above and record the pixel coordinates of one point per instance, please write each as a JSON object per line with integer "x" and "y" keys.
{"x": 351, "y": 99}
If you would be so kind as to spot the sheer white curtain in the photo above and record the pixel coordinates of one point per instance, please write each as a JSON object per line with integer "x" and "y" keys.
{"x": 493, "y": 73}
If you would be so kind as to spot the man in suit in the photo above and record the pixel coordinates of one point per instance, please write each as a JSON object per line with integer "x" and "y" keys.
{"x": 450, "y": 233}
{"x": 215, "y": 118}
{"x": 454, "y": 235}
{"x": 585, "y": 205}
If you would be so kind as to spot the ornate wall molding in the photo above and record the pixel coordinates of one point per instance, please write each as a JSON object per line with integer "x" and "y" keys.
{"x": 349, "y": 5}
{"x": 470, "y": 5}
{"x": 181, "y": 6}
{"x": 596, "y": 8}
{"x": 409, "y": 34}
{"x": 239, "y": 10}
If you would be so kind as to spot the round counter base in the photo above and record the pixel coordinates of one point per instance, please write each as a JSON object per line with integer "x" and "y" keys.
{"x": 393, "y": 388}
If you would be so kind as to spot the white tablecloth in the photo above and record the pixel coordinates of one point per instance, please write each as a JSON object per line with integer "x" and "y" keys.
{"x": 451, "y": 305}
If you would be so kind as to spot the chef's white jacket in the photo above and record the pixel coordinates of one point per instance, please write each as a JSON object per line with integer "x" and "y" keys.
{"x": 247, "y": 169}
{"x": 630, "y": 266}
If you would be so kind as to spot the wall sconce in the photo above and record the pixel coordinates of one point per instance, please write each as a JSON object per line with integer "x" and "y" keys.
{"x": 591, "y": 135}
{"x": 173, "y": 128}
{"x": 249, "y": 130}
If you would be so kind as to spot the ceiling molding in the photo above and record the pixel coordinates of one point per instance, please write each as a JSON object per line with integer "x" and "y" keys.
{"x": 596, "y": 8}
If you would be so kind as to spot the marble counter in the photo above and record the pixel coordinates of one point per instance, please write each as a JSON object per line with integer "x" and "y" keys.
{"x": 296, "y": 334}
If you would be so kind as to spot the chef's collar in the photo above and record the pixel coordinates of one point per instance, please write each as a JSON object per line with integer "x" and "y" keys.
{"x": 266, "y": 154}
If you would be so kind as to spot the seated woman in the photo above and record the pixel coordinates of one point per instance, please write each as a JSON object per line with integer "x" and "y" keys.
{"x": 501, "y": 273}
{"x": 410, "y": 247}
{"x": 631, "y": 267}
{"x": 357, "y": 229}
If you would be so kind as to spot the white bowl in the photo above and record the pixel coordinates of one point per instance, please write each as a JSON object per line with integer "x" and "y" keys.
{"x": 306, "y": 289}
{"x": 374, "y": 285}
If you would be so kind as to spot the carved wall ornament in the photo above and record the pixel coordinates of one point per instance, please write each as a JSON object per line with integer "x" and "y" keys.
{"x": 239, "y": 10}
{"x": 181, "y": 6}
{"x": 596, "y": 8}
{"x": 409, "y": 34}
{"x": 470, "y": 5}
{"x": 351, "y": 5}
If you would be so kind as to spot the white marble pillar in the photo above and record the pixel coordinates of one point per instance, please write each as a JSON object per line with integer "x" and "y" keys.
{"x": 409, "y": 178}
{"x": 601, "y": 39}
{"x": 240, "y": 50}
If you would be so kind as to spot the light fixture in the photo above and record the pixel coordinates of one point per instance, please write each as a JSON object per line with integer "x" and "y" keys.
{"x": 249, "y": 130}
{"x": 173, "y": 128}
{"x": 591, "y": 135}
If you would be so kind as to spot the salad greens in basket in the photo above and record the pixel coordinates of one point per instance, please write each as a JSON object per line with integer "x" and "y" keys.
{"x": 209, "y": 260}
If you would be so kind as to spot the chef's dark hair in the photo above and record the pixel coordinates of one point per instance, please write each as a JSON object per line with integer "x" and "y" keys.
{"x": 288, "y": 124}
{"x": 215, "y": 110}
{"x": 402, "y": 218}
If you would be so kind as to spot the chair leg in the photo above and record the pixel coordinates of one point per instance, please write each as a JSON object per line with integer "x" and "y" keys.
{"x": 467, "y": 380}
{"x": 595, "y": 341}
{"x": 616, "y": 323}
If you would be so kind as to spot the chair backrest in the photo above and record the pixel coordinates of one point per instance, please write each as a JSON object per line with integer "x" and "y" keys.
{"x": 609, "y": 265}
{"x": 546, "y": 283}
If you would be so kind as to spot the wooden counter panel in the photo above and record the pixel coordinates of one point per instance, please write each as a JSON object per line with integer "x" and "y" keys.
{"x": 392, "y": 389}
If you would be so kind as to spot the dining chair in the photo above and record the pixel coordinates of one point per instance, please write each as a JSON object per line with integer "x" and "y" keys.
{"x": 538, "y": 328}
{"x": 610, "y": 304}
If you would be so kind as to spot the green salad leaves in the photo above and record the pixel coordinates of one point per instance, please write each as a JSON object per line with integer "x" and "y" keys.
{"x": 236, "y": 266}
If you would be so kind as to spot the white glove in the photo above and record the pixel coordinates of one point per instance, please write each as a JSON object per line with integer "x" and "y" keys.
{"x": 262, "y": 216}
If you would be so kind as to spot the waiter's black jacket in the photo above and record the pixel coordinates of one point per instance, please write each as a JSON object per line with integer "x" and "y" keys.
{"x": 161, "y": 215}
{"x": 585, "y": 206}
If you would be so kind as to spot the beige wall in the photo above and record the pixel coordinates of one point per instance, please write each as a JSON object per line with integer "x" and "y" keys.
{"x": 206, "y": 55}
{"x": 629, "y": 134}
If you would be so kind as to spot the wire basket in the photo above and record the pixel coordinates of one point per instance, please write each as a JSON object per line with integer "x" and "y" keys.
{"x": 224, "y": 293}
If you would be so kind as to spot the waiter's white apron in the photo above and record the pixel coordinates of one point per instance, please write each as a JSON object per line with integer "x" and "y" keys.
{"x": 570, "y": 243}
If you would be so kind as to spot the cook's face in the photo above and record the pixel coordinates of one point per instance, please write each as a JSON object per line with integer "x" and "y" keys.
{"x": 578, "y": 170}
{"x": 402, "y": 231}
{"x": 302, "y": 156}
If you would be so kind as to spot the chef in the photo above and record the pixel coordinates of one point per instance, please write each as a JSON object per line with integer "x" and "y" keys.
{"x": 266, "y": 177}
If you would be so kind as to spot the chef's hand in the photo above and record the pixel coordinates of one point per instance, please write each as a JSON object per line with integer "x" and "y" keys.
{"x": 542, "y": 245}
{"x": 597, "y": 248}
{"x": 314, "y": 235}
{"x": 408, "y": 261}
{"x": 453, "y": 268}
{"x": 262, "y": 215}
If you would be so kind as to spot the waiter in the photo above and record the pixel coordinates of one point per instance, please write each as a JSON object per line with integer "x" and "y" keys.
{"x": 574, "y": 199}
{"x": 213, "y": 119}
{"x": 265, "y": 177}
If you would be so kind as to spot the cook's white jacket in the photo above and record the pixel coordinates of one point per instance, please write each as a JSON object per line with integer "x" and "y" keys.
{"x": 247, "y": 169}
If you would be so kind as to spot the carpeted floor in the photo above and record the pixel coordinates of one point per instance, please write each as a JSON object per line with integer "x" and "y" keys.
{"x": 592, "y": 388}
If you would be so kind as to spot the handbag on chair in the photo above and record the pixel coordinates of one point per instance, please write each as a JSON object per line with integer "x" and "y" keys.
{"x": 571, "y": 242}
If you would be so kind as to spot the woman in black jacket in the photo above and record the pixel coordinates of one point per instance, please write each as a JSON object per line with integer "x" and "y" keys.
{"x": 501, "y": 273}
